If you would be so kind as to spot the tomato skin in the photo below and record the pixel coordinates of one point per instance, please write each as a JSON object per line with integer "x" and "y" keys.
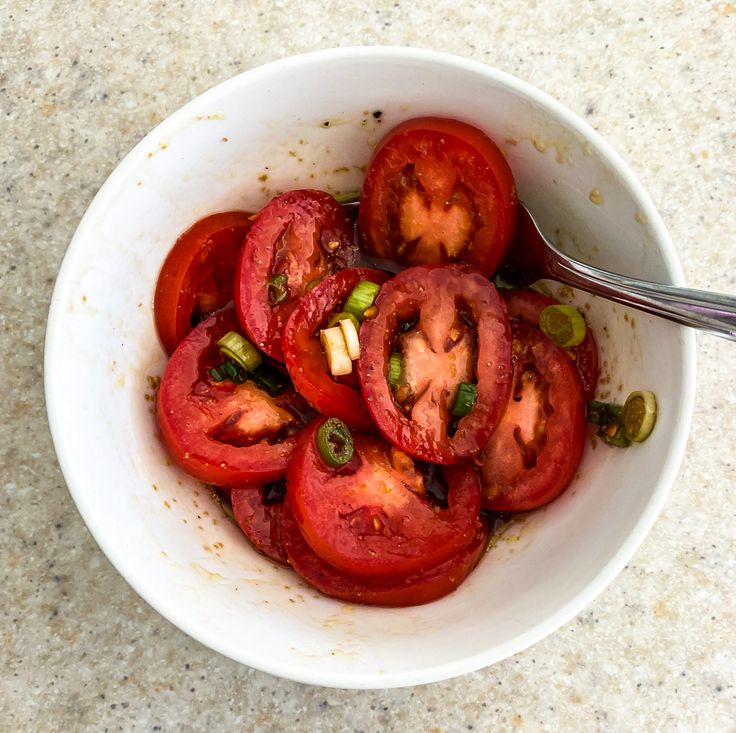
{"x": 196, "y": 277}
{"x": 303, "y": 354}
{"x": 410, "y": 590}
{"x": 195, "y": 415}
{"x": 528, "y": 305}
{"x": 432, "y": 290}
{"x": 260, "y": 522}
{"x": 544, "y": 379}
{"x": 438, "y": 190}
{"x": 289, "y": 236}
{"x": 364, "y": 518}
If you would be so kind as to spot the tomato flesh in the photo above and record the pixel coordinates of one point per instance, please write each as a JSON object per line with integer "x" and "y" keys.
{"x": 409, "y": 590}
{"x": 302, "y": 236}
{"x": 460, "y": 334}
{"x": 220, "y": 432}
{"x": 438, "y": 190}
{"x": 371, "y": 517}
{"x": 303, "y": 354}
{"x": 528, "y": 305}
{"x": 260, "y": 521}
{"x": 196, "y": 277}
{"x": 534, "y": 452}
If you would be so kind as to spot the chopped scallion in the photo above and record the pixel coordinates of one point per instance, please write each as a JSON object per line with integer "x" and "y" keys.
{"x": 361, "y": 298}
{"x": 334, "y": 442}
{"x": 395, "y": 369}
{"x": 350, "y": 335}
{"x": 277, "y": 289}
{"x": 240, "y": 350}
{"x": 464, "y": 399}
{"x": 216, "y": 375}
{"x": 602, "y": 413}
{"x": 336, "y": 352}
{"x": 351, "y": 197}
{"x": 563, "y": 324}
{"x": 614, "y": 435}
{"x": 608, "y": 417}
{"x": 270, "y": 379}
{"x": 639, "y": 415}
{"x": 335, "y": 318}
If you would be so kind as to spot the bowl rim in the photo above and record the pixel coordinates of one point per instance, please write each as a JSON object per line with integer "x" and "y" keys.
{"x": 486, "y": 657}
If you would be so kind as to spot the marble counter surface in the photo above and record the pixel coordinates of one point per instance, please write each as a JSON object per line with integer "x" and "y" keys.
{"x": 80, "y": 84}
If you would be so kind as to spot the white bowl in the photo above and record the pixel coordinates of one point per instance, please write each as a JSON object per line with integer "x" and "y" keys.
{"x": 159, "y": 528}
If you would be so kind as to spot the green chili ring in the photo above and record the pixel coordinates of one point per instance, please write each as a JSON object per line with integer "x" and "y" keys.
{"x": 334, "y": 442}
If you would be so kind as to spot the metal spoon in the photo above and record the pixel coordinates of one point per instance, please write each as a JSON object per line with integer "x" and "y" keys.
{"x": 533, "y": 257}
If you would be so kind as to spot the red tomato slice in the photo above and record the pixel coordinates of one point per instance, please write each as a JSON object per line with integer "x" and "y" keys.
{"x": 534, "y": 452}
{"x": 410, "y": 590}
{"x": 528, "y": 306}
{"x": 260, "y": 520}
{"x": 461, "y": 335}
{"x": 438, "y": 190}
{"x": 220, "y": 432}
{"x": 371, "y": 516}
{"x": 304, "y": 236}
{"x": 303, "y": 354}
{"x": 197, "y": 276}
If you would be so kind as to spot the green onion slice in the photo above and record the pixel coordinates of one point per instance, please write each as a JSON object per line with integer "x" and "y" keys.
{"x": 235, "y": 347}
{"x": 270, "y": 379}
{"x": 335, "y": 318}
{"x": 351, "y": 197}
{"x": 216, "y": 375}
{"x": 639, "y": 415}
{"x": 464, "y": 399}
{"x": 563, "y": 325}
{"x": 609, "y": 419}
{"x": 334, "y": 442}
{"x": 277, "y": 290}
{"x": 602, "y": 413}
{"x": 617, "y": 437}
{"x": 362, "y": 297}
{"x": 395, "y": 369}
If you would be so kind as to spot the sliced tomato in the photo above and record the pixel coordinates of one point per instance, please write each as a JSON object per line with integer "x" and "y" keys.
{"x": 197, "y": 276}
{"x": 450, "y": 326}
{"x": 257, "y": 511}
{"x": 303, "y": 353}
{"x": 371, "y": 517}
{"x": 534, "y": 452}
{"x": 410, "y": 590}
{"x": 300, "y": 237}
{"x": 438, "y": 190}
{"x": 528, "y": 305}
{"x": 220, "y": 432}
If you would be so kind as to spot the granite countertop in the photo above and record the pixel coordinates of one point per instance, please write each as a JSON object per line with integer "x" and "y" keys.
{"x": 80, "y": 84}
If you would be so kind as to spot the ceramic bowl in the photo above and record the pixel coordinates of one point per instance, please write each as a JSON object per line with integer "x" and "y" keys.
{"x": 312, "y": 121}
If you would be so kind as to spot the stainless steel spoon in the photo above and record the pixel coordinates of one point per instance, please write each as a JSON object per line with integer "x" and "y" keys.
{"x": 533, "y": 257}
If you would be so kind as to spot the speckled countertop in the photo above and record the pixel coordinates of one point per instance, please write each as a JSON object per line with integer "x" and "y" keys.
{"x": 80, "y": 84}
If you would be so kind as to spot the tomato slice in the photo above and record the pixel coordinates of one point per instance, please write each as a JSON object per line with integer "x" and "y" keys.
{"x": 450, "y": 326}
{"x": 527, "y": 305}
{"x": 197, "y": 276}
{"x": 371, "y": 517}
{"x": 410, "y": 590}
{"x": 438, "y": 190}
{"x": 257, "y": 511}
{"x": 534, "y": 452}
{"x": 303, "y": 354}
{"x": 301, "y": 238}
{"x": 220, "y": 432}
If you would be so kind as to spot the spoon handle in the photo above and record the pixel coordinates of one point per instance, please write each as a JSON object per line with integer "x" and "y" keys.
{"x": 712, "y": 312}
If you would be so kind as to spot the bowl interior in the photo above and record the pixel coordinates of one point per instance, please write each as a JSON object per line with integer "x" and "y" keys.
{"x": 312, "y": 122}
